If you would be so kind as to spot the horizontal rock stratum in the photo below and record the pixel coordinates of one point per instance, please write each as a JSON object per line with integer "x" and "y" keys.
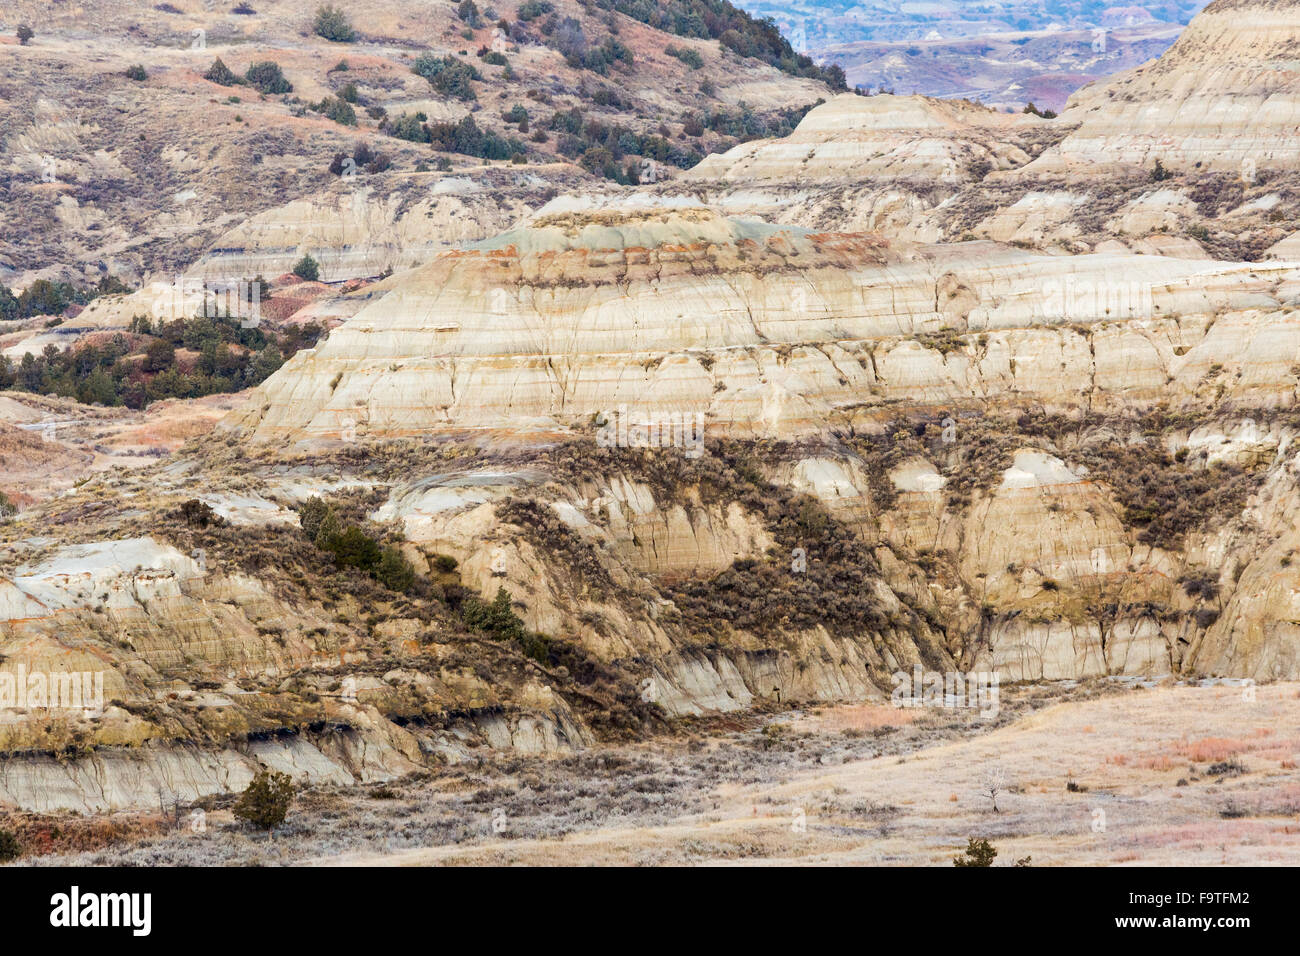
{"x": 768, "y": 330}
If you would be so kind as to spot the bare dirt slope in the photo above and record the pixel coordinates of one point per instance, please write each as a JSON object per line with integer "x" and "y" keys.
{"x": 1095, "y": 775}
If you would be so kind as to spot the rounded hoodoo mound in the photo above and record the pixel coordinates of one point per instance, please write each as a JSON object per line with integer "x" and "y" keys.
{"x": 851, "y": 138}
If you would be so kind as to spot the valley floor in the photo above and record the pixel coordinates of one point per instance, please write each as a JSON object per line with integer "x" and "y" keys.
{"x": 1102, "y": 773}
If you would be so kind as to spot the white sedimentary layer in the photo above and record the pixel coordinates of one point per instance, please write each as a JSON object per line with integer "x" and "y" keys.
{"x": 655, "y": 313}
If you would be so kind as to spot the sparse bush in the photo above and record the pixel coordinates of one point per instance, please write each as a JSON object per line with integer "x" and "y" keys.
{"x": 497, "y": 618}
{"x": 468, "y": 12}
{"x": 1215, "y": 192}
{"x": 25, "y": 34}
{"x": 266, "y": 77}
{"x": 1232, "y": 811}
{"x": 265, "y": 803}
{"x": 977, "y": 853}
{"x": 333, "y": 24}
{"x": 466, "y": 137}
{"x": 1164, "y": 498}
{"x": 1205, "y": 586}
{"x": 221, "y": 74}
{"x": 337, "y": 110}
{"x": 1159, "y": 173}
{"x": 394, "y": 571}
{"x": 329, "y": 528}
{"x": 688, "y": 55}
{"x": 379, "y": 163}
{"x": 499, "y": 621}
{"x": 310, "y": 515}
{"x": 137, "y": 73}
{"x": 1226, "y": 768}
{"x": 10, "y": 848}
{"x": 530, "y": 10}
{"x": 448, "y": 75}
{"x": 307, "y": 268}
{"x": 353, "y": 547}
{"x": 407, "y": 127}
{"x": 199, "y": 514}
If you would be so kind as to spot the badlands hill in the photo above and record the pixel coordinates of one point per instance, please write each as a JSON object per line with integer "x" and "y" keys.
{"x": 1223, "y": 98}
{"x": 866, "y": 456}
{"x": 124, "y": 153}
{"x": 635, "y": 459}
{"x": 887, "y": 137}
{"x": 1216, "y": 111}
{"x": 763, "y": 330}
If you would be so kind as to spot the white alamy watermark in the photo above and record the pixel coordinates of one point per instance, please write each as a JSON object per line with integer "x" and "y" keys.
{"x": 75, "y": 908}
{"x": 976, "y": 690}
{"x": 48, "y": 690}
{"x": 1077, "y": 298}
{"x": 187, "y": 298}
{"x": 685, "y": 430}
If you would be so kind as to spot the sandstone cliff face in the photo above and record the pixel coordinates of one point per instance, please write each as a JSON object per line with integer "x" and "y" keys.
{"x": 886, "y": 163}
{"x": 195, "y": 676}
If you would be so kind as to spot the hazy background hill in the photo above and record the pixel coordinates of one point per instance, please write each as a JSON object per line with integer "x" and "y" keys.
{"x": 999, "y": 53}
